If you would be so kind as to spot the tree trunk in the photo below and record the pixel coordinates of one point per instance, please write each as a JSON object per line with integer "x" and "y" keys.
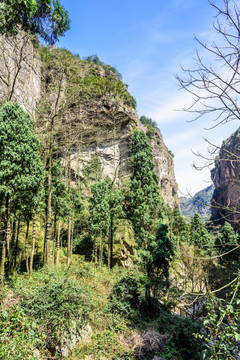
{"x": 69, "y": 243}
{"x": 54, "y": 238}
{"x": 33, "y": 243}
{"x": 101, "y": 249}
{"x": 58, "y": 242}
{"x": 26, "y": 246}
{"x": 13, "y": 239}
{"x": 5, "y": 242}
{"x": 16, "y": 244}
{"x": 69, "y": 220}
{"x": 49, "y": 199}
{"x": 111, "y": 244}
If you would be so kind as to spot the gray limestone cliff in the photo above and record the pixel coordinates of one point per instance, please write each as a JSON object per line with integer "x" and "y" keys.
{"x": 20, "y": 71}
{"x": 226, "y": 179}
{"x": 94, "y": 121}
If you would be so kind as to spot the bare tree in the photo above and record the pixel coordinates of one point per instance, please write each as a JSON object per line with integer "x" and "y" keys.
{"x": 215, "y": 87}
{"x": 214, "y": 84}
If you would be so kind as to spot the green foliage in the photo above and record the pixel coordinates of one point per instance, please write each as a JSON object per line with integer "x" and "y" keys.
{"x": 47, "y": 18}
{"x": 161, "y": 250}
{"x": 108, "y": 68}
{"x": 226, "y": 240}
{"x": 19, "y": 335}
{"x": 106, "y": 208}
{"x": 127, "y": 295}
{"x": 60, "y": 197}
{"x": 179, "y": 225}
{"x": 21, "y": 171}
{"x": 222, "y": 326}
{"x": 154, "y": 245}
{"x": 95, "y": 86}
{"x": 151, "y": 126}
{"x": 145, "y": 197}
{"x": 47, "y": 310}
{"x": 199, "y": 236}
{"x": 99, "y": 209}
{"x": 148, "y": 121}
{"x": 92, "y": 172}
{"x": 182, "y": 340}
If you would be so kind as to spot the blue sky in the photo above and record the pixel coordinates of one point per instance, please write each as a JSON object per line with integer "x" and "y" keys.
{"x": 147, "y": 41}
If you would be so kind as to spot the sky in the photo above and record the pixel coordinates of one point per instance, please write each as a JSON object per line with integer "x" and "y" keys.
{"x": 147, "y": 42}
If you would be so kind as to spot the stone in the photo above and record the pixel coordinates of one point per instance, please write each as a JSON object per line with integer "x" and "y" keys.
{"x": 102, "y": 126}
{"x": 226, "y": 179}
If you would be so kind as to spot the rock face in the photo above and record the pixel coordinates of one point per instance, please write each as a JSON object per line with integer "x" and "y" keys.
{"x": 226, "y": 179}
{"x": 164, "y": 167}
{"x": 101, "y": 119}
{"x": 20, "y": 71}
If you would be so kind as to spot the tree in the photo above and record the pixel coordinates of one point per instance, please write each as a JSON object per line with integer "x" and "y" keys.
{"x": 222, "y": 327}
{"x": 178, "y": 224}
{"x": 161, "y": 250}
{"x": 106, "y": 208}
{"x": 227, "y": 240}
{"x": 145, "y": 197}
{"x": 215, "y": 91}
{"x": 145, "y": 212}
{"x": 215, "y": 87}
{"x": 47, "y": 18}
{"x": 199, "y": 236}
{"x": 99, "y": 217}
{"x": 21, "y": 171}
{"x": 115, "y": 201}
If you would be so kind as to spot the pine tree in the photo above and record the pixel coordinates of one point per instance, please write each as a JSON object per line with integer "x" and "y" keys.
{"x": 21, "y": 171}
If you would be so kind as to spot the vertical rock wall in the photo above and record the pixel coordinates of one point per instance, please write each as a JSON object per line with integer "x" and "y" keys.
{"x": 226, "y": 179}
{"x": 20, "y": 71}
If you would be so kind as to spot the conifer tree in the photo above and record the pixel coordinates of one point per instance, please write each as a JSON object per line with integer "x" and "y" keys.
{"x": 115, "y": 202}
{"x": 106, "y": 208}
{"x": 20, "y": 168}
{"x": 145, "y": 196}
{"x": 199, "y": 236}
{"x": 154, "y": 248}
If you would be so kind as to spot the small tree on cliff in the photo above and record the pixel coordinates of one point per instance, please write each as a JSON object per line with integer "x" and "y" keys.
{"x": 21, "y": 171}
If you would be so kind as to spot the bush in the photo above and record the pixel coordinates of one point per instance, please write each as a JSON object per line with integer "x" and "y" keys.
{"x": 127, "y": 295}
{"x": 54, "y": 302}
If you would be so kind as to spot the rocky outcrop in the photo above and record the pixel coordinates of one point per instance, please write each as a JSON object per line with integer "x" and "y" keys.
{"x": 20, "y": 71}
{"x": 226, "y": 179}
{"x": 97, "y": 121}
{"x": 164, "y": 167}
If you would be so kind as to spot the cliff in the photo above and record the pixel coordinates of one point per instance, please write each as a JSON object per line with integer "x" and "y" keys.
{"x": 226, "y": 179}
{"x": 91, "y": 111}
{"x": 20, "y": 71}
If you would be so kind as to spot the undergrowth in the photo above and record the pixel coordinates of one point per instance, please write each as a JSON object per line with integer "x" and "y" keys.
{"x": 40, "y": 317}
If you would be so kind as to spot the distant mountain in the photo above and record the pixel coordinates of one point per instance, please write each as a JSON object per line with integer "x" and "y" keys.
{"x": 199, "y": 203}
